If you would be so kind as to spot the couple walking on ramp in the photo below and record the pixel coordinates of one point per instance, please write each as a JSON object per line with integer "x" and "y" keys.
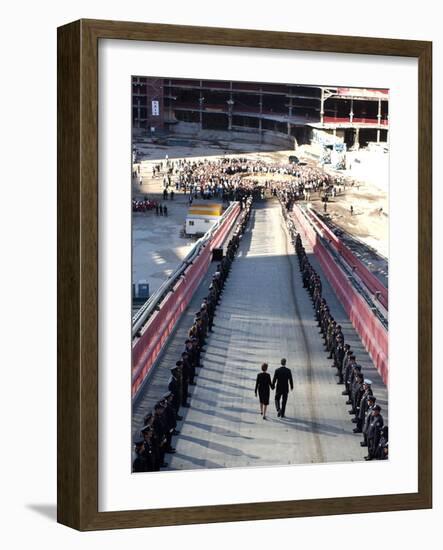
{"x": 281, "y": 382}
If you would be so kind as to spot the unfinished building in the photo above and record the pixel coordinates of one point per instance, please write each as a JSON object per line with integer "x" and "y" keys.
{"x": 259, "y": 111}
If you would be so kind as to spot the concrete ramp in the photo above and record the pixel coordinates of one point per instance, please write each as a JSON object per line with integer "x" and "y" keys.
{"x": 266, "y": 314}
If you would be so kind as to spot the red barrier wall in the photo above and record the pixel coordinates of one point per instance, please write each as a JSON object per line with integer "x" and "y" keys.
{"x": 147, "y": 348}
{"x": 368, "y": 278}
{"x": 373, "y": 334}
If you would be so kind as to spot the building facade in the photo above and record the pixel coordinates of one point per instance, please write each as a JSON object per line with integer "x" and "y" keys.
{"x": 352, "y": 115}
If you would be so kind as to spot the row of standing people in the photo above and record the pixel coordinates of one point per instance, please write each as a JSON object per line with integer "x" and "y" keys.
{"x": 160, "y": 424}
{"x": 161, "y": 210}
{"x": 206, "y": 178}
{"x": 143, "y": 205}
{"x": 365, "y": 412}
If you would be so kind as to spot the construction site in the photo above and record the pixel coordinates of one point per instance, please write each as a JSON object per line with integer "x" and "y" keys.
{"x": 314, "y": 162}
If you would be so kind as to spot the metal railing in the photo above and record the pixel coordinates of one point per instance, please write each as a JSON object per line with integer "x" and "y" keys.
{"x": 151, "y": 305}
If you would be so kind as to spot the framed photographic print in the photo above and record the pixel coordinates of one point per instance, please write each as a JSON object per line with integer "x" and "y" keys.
{"x": 244, "y": 275}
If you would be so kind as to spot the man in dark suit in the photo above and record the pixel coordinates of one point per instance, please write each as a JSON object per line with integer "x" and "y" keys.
{"x": 281, "y": 382}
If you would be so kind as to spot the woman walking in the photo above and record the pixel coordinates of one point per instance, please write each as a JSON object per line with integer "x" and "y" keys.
{"x": 263, "y": 386}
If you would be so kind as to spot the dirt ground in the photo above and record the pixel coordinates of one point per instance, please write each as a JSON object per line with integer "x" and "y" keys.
{"x": 367, "y": 222}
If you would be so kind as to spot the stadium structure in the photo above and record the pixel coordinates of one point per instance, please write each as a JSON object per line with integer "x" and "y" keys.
{"x": 285, "y": 114}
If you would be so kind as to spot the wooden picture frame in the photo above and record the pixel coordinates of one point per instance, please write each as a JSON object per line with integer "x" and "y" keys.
{"x": 78, "y": 273}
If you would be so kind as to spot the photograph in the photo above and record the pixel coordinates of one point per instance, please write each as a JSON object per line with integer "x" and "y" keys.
{"x": 260, "y": 269}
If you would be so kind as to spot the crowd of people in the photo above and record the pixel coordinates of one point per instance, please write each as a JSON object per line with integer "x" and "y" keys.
{"x": 228, "y": 178}
{"x": 364, "y": 410}
{"x": 313, "y": 180}
{"x": 144, "y": 205}
{"x": 160, "y": 424}
{"x": 221, "y": 178}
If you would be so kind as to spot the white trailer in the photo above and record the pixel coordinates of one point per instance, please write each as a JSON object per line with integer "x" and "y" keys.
{"x": 201, "y": 217}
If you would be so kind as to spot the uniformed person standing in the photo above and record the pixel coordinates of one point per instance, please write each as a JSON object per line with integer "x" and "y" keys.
{"x": 326, "y": 321}
{"x": 169, "y": 423}
{"x": 374, "y": 431}
{"x": 159, "y": 430}
{"x": 140, "y": 463}
{"x": 371, "y": 404}
{"x": 362, "y": 406}
{"x": 182, "y": 381}
{"x": 350, "y": 367}
{"x": 200, "y": 334}
{"x": 323, "y": 315}
{"x": 174, "y": 388}
{"x": 188, "y": 358}
{"x": 205, "y": 318}
{"x": 151, "y": 448}
{"x": 186, "y": 377}
{"x": 151, "y": 453}
{"x": 339, "y": 355}
{"x": 357, "y": 391}
{"x": 337, "y": 339}
{"x": 197, "y": 352}
{"x": 382, "y": 450}
{"x": 318, "y": 303}
{"x": 210, "y": 309}
{"x": 330, "y": 336}
{"x": 168, "y": 398}
{"x": 342, "y": 366}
